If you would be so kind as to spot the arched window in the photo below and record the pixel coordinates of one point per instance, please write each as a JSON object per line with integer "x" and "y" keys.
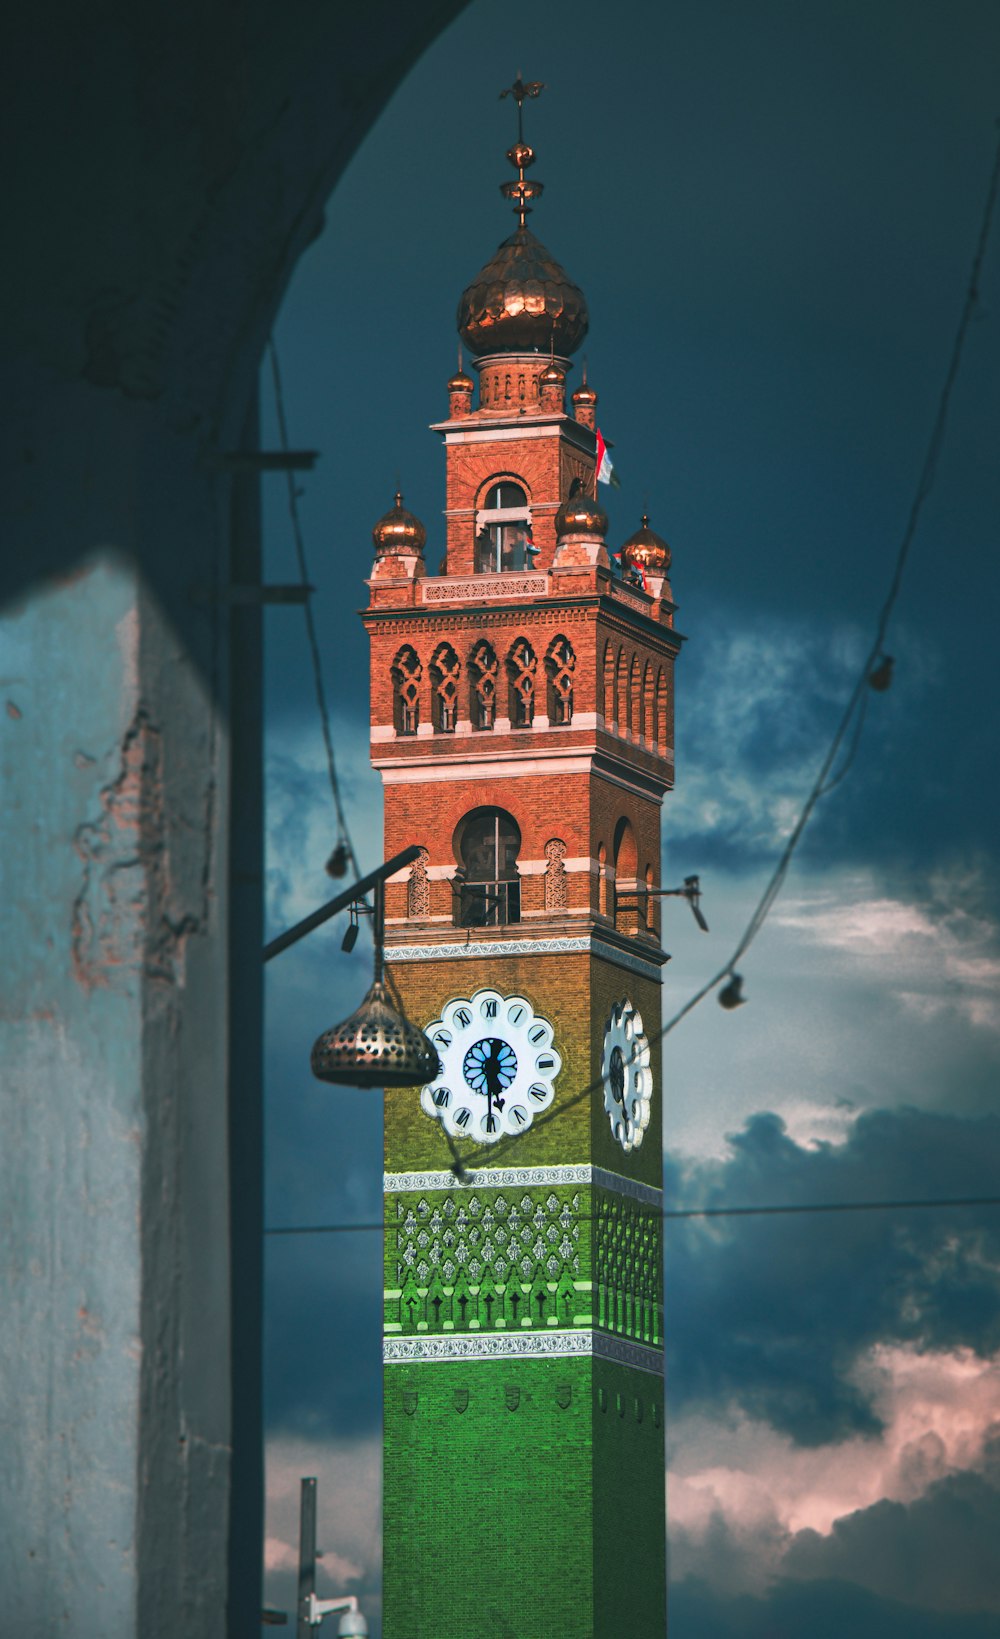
{"x": 560, "y": 664}
{"x": 602, "y": 880}
{"x": 626, "y": 879}
{"x": 661, "y": 713}
{"x": 609, "y": 686}
{"x": 445, "y": 673}
{"x": 503, "y": 529}
{"x": 406, "y": 674}
{"x": 620, "y": 687}
{"x": 634, "y": 697}
{"x": 483, "y": 685}
{"x": 521, "y": 669}
{"x": 487, "y": 888}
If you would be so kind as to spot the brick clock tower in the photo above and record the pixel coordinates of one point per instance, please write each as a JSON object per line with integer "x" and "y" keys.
{"x": 522, "y": 722}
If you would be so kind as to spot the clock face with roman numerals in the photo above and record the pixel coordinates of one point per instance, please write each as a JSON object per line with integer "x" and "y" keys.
{"x": 497, "y": 1066}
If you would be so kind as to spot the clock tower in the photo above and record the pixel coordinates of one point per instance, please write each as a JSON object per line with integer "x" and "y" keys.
{"x": 522, "y": 722}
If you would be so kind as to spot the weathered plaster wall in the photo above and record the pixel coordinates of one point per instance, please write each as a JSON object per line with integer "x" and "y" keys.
{"x": 174, "y": 161}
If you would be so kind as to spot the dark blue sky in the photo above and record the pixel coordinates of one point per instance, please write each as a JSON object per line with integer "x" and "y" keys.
{"x": 772, "y": 211}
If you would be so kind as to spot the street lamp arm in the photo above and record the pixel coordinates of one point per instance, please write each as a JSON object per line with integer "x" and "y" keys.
{"x": 291, "y": 936}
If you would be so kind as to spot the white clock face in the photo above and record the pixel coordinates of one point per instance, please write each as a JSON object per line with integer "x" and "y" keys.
{"x": 628, "y": 1080}
{"x": 498, "y": 1066}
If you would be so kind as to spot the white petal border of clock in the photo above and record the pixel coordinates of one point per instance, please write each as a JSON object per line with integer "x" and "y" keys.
{"x": 626, "y": 1075}
{"x": 498, "y": 1066}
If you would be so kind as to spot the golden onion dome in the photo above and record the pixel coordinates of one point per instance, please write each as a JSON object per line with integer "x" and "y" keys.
{"x": 461, "y": 383}
{"x": 646, "y": 549}
{"x": 552, "y": 376}
{"x": 399, "y": 531}
{"x": 584, "y": 395}
{"x": 581, "y": 515}
{"x": 521, "y": 302}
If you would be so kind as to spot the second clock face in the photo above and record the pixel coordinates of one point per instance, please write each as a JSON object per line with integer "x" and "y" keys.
{"x": 498, "y": 1066}
{"x": 626, "y": 1075}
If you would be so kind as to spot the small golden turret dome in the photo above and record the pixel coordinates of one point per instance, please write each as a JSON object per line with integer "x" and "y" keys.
{"x": 461, "y": 383}
{"x": 646, "y": 550}
{"x": 399, "y": 531}
{"x": 584, "y": 395}
{"x": 581, "y": 515}
{"x": 552, "y": 376}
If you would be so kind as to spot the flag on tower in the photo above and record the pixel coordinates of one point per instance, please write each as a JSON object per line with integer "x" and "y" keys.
{"x": 605, "y": 469}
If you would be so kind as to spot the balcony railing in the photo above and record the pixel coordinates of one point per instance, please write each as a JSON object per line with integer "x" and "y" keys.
{"x": 487, "y": 904}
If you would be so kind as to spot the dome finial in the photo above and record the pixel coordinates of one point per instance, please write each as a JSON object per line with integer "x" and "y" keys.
{"x": 521, "y": 155}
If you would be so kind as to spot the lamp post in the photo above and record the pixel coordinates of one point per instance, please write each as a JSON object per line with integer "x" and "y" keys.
{"x": 376, "y": 1046}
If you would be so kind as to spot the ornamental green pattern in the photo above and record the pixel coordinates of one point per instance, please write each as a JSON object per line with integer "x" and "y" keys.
{"x": 520, "y": 1259}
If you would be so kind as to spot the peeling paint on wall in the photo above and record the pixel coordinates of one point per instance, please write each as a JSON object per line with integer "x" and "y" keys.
{"x": 121, "y": 922}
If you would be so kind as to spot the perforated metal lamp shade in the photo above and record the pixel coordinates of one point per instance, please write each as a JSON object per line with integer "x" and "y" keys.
{"x": 375, "y": 1047}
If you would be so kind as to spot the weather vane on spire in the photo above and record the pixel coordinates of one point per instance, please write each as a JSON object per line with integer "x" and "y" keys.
{"x": 521, "y": 155}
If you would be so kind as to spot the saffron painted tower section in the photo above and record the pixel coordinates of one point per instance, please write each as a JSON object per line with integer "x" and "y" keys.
{"x": 522, "y": 721}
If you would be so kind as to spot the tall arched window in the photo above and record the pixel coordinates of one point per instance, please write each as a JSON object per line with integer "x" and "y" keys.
{"x": 483, "y": 685}
{"x": 445, "y": 674}
{"x": 620, "y": 687}
{"x": 634, "y": 697}
{"x": 626, "y": 879}
{"x": 487, "y": 887}
{"x": 609, "y": 686}
{"x": 406, "y": 674}
{"x": 661, "y": 713}
{"x": 648, "y": 725}
{"x": 602, "y": 880}
{"x": 503, "y": 529}
{"x": 560, "y": 664}
{"x": 521, "y": 669}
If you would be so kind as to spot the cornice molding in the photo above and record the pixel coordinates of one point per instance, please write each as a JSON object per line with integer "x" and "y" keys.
{"x": 403, "y": 1351}
{"x": 647, "y": 967}
{"x": 403, "y": 1183}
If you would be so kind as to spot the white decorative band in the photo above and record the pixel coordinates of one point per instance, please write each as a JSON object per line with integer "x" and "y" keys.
{"x": 399, "y": 1183}
{"x": 476, "y": 588}
{"x": 400, "y": 1351}
{"x": 527, "y": 947}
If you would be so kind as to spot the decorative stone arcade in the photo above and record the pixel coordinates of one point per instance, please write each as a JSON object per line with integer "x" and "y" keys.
{"x": 522, "y": 721}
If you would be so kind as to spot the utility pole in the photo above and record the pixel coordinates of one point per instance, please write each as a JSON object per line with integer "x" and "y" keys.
{"x": 307, "y": 1558}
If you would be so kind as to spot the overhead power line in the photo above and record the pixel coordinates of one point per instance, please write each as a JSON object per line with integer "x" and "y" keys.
{"x": 669, "y": 1214}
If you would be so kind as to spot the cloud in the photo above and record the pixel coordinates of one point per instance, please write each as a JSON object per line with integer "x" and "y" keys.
{"x": 930, "y": 957}
{"x": 823, "y": 1610}
{"x": 910, "y": 1514}
{"x": 805, "y": 1298}
{"x": 939, "y": 1552}
{"x": 301, "y": 821}
{"x": 756, "y": 712}
{"x": 867, "y": 990}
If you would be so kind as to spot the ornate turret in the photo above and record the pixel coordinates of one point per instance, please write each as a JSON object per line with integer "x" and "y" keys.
{"x": 399, "y": 539}
{"x": 647, "y": 555}
{"x": 646, "y": 550}
{"x": 522, "y": 301}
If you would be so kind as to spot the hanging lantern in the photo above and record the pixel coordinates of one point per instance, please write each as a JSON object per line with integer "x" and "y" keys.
{"x": 375, "y": 1047}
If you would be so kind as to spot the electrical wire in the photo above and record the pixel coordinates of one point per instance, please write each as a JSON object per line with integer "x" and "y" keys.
{"x": 675, "y": 1214}
{"x": 317, "y": 668}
